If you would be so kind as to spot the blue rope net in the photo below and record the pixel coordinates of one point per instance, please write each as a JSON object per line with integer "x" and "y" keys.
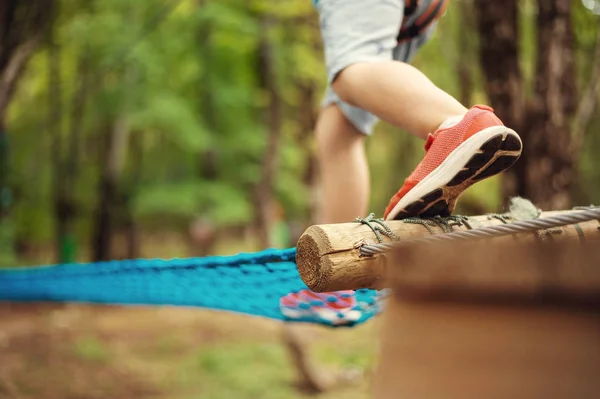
{"x": 251, "y": 283}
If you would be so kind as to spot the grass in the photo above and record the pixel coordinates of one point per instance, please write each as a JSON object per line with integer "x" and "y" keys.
{"x": 80, "y": 351}
{"x": 91, "y": 348}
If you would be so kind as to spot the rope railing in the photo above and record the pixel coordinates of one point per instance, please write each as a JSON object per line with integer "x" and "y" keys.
{"x": 490, "y": 231}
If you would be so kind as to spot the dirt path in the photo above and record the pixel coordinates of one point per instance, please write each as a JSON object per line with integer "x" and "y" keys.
{"x": 88, "y": 352}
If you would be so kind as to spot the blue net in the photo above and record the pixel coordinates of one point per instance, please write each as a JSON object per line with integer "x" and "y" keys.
{"x": 250, "y": 283}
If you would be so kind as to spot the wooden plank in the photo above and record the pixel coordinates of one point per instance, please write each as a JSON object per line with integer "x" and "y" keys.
{"x": 566, "y": 270}
{"x": 328, "y": 256}
{"x": 439, "y": 350}
{"x": 492, "y": 321}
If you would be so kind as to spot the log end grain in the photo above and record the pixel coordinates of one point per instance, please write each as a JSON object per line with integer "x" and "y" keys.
{"x": 327, "y": 264}
{"x": 315, "y": 269}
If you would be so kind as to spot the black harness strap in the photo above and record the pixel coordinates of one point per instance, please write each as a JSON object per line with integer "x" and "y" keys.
{"x": 414, "y": 30}
{"x": 410, "y": 6}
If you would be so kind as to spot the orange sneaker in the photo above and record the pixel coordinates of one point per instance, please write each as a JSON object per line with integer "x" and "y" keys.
{"x": 458, "y": 154}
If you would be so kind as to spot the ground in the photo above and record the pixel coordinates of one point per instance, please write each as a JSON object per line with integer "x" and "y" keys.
{"x": 54, "y": 351}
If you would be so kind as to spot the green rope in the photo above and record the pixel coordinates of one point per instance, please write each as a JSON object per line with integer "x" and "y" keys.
{"x": 504, "y": 218}
{"x": 444, "y": 223}
{"x": 378, "y": 226}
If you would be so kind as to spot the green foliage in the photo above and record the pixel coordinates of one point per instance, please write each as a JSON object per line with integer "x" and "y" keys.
{"x": 172, "y": 114}
{"x": 226, "y": 205}
{"x": 183, "y": 77}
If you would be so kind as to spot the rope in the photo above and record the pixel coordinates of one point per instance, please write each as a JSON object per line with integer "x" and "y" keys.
{"x": 378, "y": 228}
{"x": 492, "y": 231}
{"x": 444, "y": 223}
{"x": 503, "y": 218}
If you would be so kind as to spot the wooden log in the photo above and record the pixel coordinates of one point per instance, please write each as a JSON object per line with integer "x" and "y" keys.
{"x": 328, "y": 256}
{"x": 506, "y": 320}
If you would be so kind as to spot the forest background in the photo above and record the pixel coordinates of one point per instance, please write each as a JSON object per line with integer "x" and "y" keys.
{"x": 175, "y": 128}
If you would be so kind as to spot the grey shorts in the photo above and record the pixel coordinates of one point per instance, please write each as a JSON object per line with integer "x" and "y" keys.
{"x": 370, "y": 31}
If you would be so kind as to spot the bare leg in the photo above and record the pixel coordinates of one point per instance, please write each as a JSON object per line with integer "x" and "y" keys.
{"x": 344, "y": 169}
{"x": 345, "y": 189}
{"x": 397, "y": 93}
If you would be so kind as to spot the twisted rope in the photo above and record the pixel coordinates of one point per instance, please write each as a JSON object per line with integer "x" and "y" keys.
{"x": 492, "y": 231}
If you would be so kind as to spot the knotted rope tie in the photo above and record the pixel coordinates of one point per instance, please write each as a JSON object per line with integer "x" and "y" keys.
{"x": 378, "y": 227}
{"x": 503, "y": 218}
{"x": 444, "y": 223}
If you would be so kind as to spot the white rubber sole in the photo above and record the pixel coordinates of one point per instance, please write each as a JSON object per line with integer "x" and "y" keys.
{"x": 485, "y": 154}
{"x": 329, "y": 316}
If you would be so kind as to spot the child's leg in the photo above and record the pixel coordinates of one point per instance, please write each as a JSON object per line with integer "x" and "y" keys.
{"x": 341, "y": 128}
{"x": 464, "y": 146}
{"x": 343, "y": 167}
{"x": 359, "y": 39}
{"x": 397, "y": 93}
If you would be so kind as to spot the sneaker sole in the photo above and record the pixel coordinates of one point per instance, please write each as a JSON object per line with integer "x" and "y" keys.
{"x": 322, "y": 315}
{"x": 483, "y": 155}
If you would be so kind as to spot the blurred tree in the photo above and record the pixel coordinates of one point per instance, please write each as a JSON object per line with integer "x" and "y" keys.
{"x": 545, "y": 112}
{"x": 21, "y": 31}
{"x": 268, "y": 82}
{"x": 64, "y": 148}
{"x": 497, "y": 25}
{"x": 22, "y": 25}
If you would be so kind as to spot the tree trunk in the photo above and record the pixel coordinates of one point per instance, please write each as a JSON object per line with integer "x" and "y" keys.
{"x": 9, "y": 75}
{"x": 465, "y": 60}
{"x": 4, "y": 168}
{"x": 202, "y": 231}
{"x": 546, "y": 171}
{"x": 132, "y": 228}
{"x": 21, "y": 27}
{"x": 307, "y": 93}
{"x": 8, "y": 244}
{"x": 112, "y": 160}
{"x": 497, "y": 25}
{"x": 106, "y": 195}
{"x": 64, "y": 209}
{"x": 78, "y": 104}
{"x": 589, "y": 100}
{"x": 263, "y": 195}
{"x": 551, "y": 160}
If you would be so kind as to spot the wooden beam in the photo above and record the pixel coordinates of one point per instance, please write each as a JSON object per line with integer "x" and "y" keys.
{"x": 492, "y": 321}
{"x": 565, "y": 272}
{"x": 328, "y": 256}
